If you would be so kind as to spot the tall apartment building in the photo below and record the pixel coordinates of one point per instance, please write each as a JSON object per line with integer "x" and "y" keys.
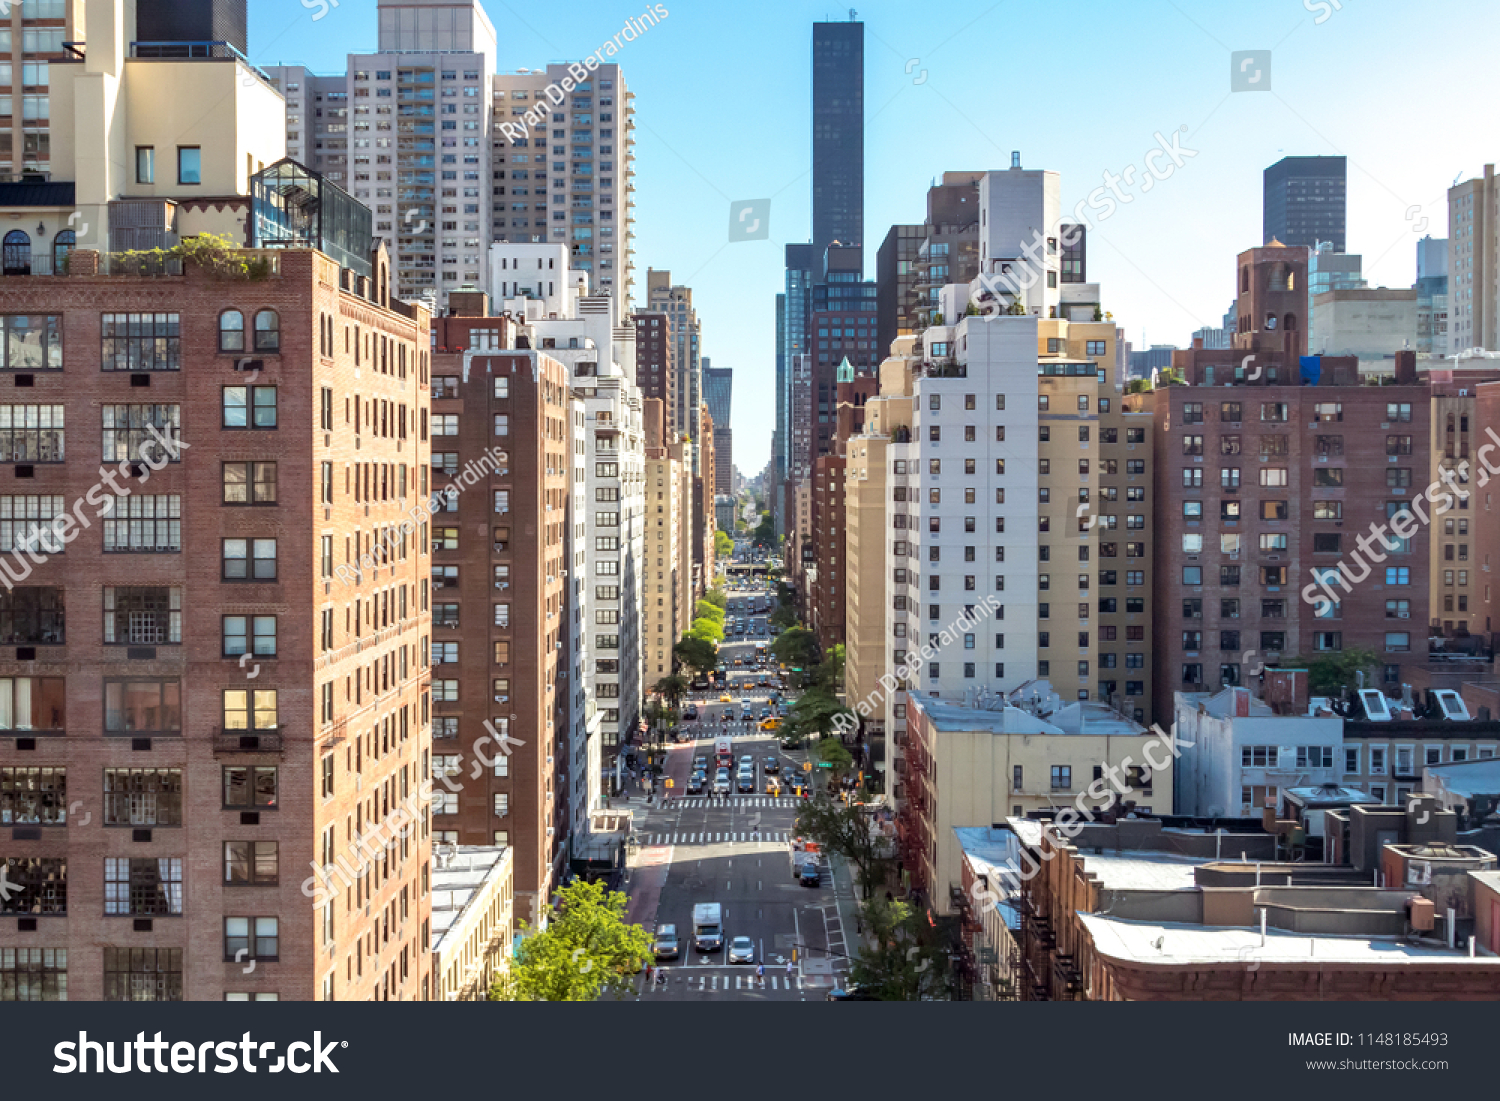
{"x": 794, "y": 309}
{"x": 677, "y": 303}
{"x": 1276, "y": 477}
{"x": 584, "y": 145}
{"x": 666, "y": 604}
{"x": 828, "y": 611}
{"x": 896, "y": 285}
{"x": 704, "y": 491}
{"x": 653, "y": 367}
{"x": 838, "y": 134}
{"x": 1432, "y": 296}
{"x": 407, "y": 130}
{"x": 841, "y": 329}
{"x": 1305, "y": 202}
{"x": 718, "y": 395}
{"x": 1473, "y": 263}
{"x": 499, "y": 572}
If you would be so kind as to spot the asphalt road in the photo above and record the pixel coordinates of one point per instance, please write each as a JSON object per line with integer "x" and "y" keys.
{"x": 735, "y": 852}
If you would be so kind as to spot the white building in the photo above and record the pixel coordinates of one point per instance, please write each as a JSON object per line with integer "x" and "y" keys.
{"x": 1237, "y": 752}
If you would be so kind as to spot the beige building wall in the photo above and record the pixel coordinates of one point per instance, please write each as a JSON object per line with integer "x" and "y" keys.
{"x": 1096, "y": 517}
{"x": 865, "y": 561}
{"x": 477, "y": 945}
{"x": 1454, "y": 591}
{"x": 970, "y": 773}
{"x": 661, "y": 595}
{"x": 105, "y": 108}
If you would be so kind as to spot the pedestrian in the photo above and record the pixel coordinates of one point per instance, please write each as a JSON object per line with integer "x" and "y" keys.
{"x": 649, "y": 972}
{"x": 760, "y": 973}
{"x": 788, "y": 970}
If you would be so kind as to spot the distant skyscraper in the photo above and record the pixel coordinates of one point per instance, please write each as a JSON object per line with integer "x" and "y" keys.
{"x": 718, "y": 390}
{"x": 1432, "y": 295}
{"x": 838, "y": 135}
{"x": 1305, "y": 201}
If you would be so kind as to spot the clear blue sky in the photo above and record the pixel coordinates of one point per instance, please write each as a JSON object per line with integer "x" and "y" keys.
{"x": 1081, "y": 88}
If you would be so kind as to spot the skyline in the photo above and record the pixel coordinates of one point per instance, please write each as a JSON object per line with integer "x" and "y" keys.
{"x": 1168, "y": 64}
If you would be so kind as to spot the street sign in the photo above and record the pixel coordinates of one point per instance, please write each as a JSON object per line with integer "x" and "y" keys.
{"x": 825, "y": 764}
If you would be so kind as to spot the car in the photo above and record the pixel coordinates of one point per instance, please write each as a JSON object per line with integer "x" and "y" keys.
{"x": 745, "y": 783}
{"x": 726, "y": 698}
{"x": 788, "y": 743}
{"x": 765, "y": 712}
{"x": 742, "y": 950}
{"x": 764, "y": 682}
{"x": 666, "y": 947}
{"x": 772, "y": 766}
{"x": 695, "y": 784}
{"x": 850, "y": 992}
{"x": 746, "y": 715}
{"x": 700, "y": 763}
{"x": 809, "y": 876}
{"x": 721, "y": 783}
{"x": 747, "y": 761}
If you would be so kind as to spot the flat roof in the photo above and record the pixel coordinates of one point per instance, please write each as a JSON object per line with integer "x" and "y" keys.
{"x": 1198, "y": 945}
{"x": 1142, "y": 870}
{"x": 988, "y": 849}
{"x": 1467, "y": 778}
{"x": 454, "y": 886}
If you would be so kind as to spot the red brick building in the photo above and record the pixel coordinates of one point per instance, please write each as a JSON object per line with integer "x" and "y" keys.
{"x": 241, "y": 694}
{"x": 499, "y": 581}
{"x": 1271, "y": 477}
{"x": 653, "y": 364}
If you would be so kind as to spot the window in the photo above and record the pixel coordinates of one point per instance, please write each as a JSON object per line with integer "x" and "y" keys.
{"x": 249, "y": 786}
{"x": 133, "y": 433}
{"x": 1398, "y": 477}
{"x": 249, "y": 560}
{"x": 143, "y": 797}
{"x": 231, "y": 331}
{"x": 33, "y": 974}
{"x": 255, "y": 938}
{"x": 141, "y": 342}
{"x": 267, "y": 331}
{"x": 1327, "y": 477}
{"x": 1398, "y": 412}
{"x": 1062, "y": 778}
{"x": 250, "y": 710}
{"x": 143, "y": 886}
{"x": 1399, "y": 641}
{"x": 251, "y": 484}
{"x": 143, "y": 974}
{"x": 145, "y": 164}
{"x": 142, "y": 616}
{"x": 1273, "y": 411}
{"x": 1398, "y": 575}
{"x": 1273, "y": 476}
{"x": 249, "y": 407}
{"x": 31, "y": 433}
{"x": 250, "y": 862}
{"x": 142, "y": 524}
{"x": 189, "y": 165}
{"x": 144, "y": 705}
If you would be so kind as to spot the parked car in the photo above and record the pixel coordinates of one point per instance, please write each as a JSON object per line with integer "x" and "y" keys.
{"x": 666, "y": 947}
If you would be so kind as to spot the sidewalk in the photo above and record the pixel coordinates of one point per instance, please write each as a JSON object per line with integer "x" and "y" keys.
{"x": 846, "y": 899}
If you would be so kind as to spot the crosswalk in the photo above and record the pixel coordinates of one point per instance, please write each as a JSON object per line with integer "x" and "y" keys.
{"x": 692, "y": 801}
{"x": 680, "y": 978}
{"x": 710, "y": 837}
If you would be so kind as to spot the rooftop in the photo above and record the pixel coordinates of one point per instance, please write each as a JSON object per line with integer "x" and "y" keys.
{"x": 1465, "y": 779}
{"x": 456, "y": 882}
{"x": 1032, "y": 716}
{"x": 989, "y": 850}
{"x": 1172, "y": 944}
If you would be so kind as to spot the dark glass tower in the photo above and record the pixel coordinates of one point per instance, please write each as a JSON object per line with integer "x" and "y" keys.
{"x": 193, "y": 21}
{"x": 838, "y": 135}
{"x": 1305, "y": 201}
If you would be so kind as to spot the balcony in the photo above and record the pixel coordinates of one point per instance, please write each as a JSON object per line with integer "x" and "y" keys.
{"x": 229, "y": 742}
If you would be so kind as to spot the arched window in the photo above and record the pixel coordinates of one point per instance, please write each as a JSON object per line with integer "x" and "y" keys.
{"x": 267, "y": 331}
{"x": 16, "y": 253}
{"x": 62, "y": 244}
{"x": 1270, "y": 321}
{"x": 1290, "y": 322}
{"x": 231, "y": 331}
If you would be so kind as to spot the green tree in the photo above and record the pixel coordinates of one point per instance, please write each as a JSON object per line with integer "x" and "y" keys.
{"x": 706, "y": 610}
{"x": 710, "y": 629}
{"x": 673, "y": 688}
{"x": 847, "y": 832}
{"x": 723, "y": 544}
{"x": 765, "y": 531}
{"x": 718, "y": 598}
{"x": 817, "y": 712}
{"x": 908, "y": 961}
{"x": 831, "y": 752}
{"x": 783, "y": 618}
{"x": 830, "y": 673}
{"x": 796, "y": 647}
{"x": 1332, "y": 674}
{"x": 698, "y": 654}
{"x": 585, "y": 950}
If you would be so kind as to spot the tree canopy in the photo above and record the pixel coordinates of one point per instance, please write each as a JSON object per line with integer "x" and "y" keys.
{"x": 845, "y": 830}
{"x": 698, "y": 654}
{"x": 672, "y": 688}
{"x": 723, "y": 544}
{"x": 908, "y": 960}
{"x": 717, "y": 597}
{"x": 585, "y": 950}
{"x": 796, "y": 647}
{"x": 707, "y": 610}
{"x": 1331, "y": 674}
{"x": 765, "y": 531}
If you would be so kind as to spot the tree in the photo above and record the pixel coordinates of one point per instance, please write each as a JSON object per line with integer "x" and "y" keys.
{"x": 673, "y": 688}
{"x": 783, "y": 618}
{"x": 908, "y": 961}
{"x": 705, "y": 628}
{"x": 698, "y": 654}
{"x": 1333, "y": 674}
{"x": 796, "y": 647}
{"x": 585, "y": 949}
{"x": 705, "y": 610}
{"x": 765, "y": 531}
{"x": 718, "y": 598}
{"x": 830, "y": 674}
{"x": 816, "y": 712}
{"x": 831, "y": 752}
{"x": 846, "y": 831}
{"x": 723, "y": 544}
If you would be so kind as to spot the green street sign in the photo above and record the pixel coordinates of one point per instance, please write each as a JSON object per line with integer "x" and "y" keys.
{"x": 825, "y": 764}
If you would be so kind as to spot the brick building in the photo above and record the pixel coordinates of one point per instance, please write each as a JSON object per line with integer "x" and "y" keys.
{"x": 653, "y": 365}
{"x": 252, "y": 699}
{"x": 499, "y": 586}
{"x": 1273, "y": 474}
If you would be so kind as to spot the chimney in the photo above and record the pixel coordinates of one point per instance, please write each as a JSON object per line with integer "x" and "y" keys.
{"x": 1241, "y": 703}
{"x": 1406, "y": 367}
{"x": 1197, "y": 344}
{"x": 1285, "y": 690}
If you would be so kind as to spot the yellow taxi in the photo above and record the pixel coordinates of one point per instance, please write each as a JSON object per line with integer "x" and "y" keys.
{"x": 726, "y": 698}
{"x": 770, "y": 724}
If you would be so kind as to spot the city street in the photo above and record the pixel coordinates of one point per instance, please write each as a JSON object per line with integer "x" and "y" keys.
{"x": 734, "y": 850}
